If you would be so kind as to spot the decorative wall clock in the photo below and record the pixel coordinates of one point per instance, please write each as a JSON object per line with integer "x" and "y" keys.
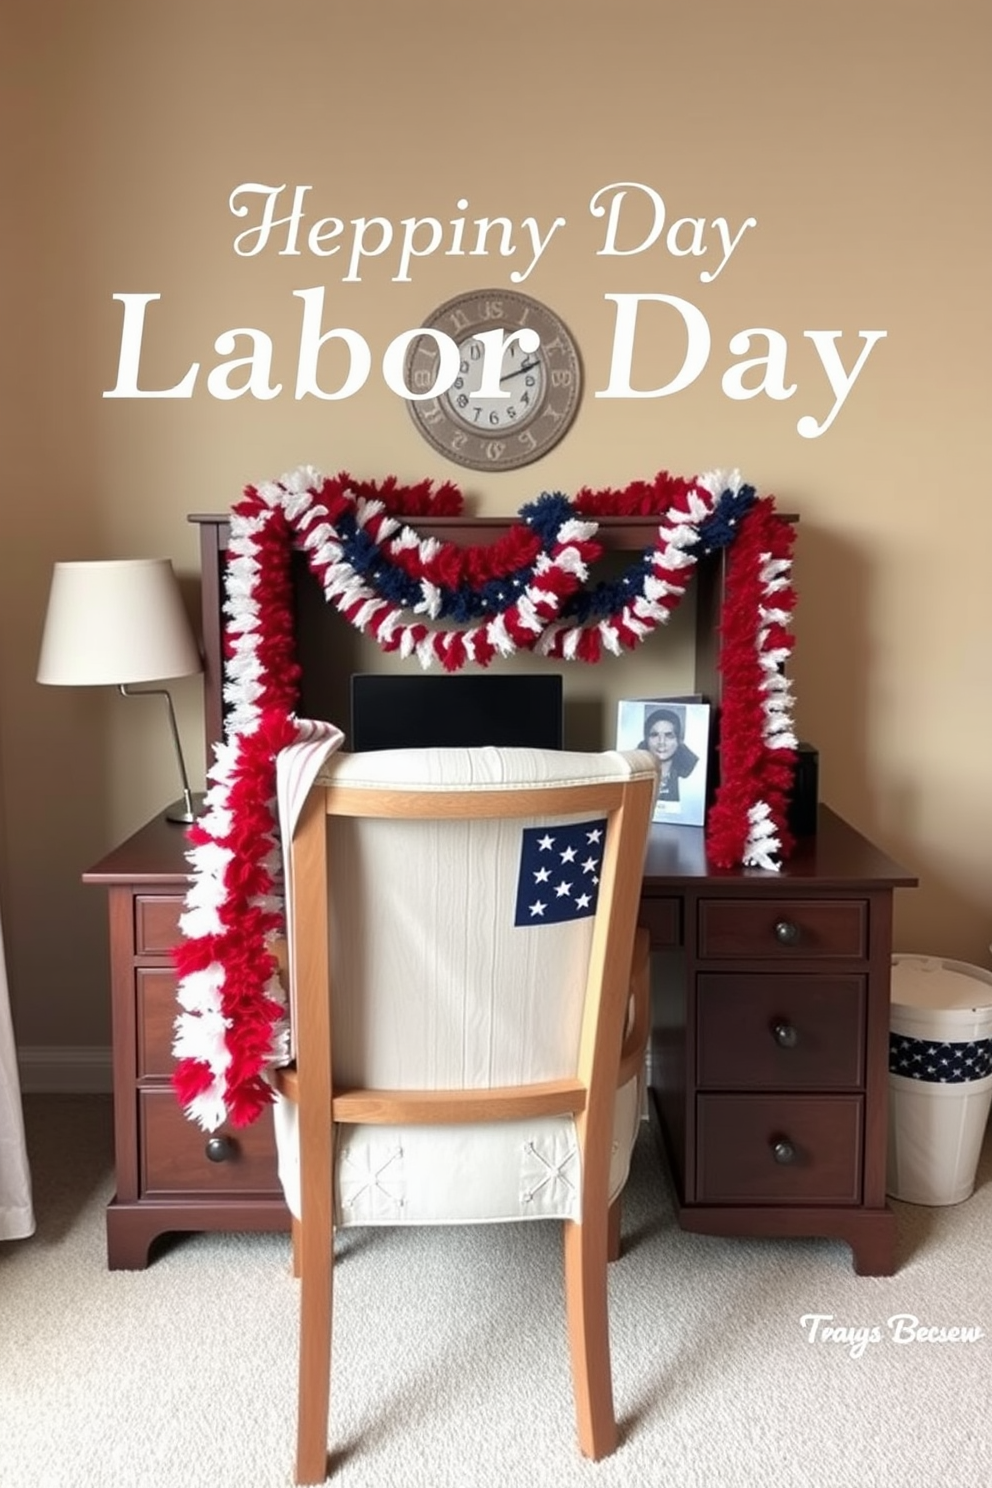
{"x": 539, "y": 388}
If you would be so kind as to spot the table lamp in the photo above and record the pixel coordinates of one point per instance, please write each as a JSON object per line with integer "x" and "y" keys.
{"x": 117, "y": 622}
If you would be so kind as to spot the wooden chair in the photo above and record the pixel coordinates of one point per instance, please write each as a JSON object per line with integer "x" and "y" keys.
{"x": 450, "y": 1008}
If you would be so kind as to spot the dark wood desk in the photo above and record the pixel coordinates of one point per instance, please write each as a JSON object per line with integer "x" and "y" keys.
{"x": 171, "y": 1176}
{"x": 769, "y": 1050}
{"x": 769, "y": 1042}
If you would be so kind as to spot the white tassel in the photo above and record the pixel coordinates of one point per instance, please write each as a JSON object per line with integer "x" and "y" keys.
{"x": 197, "y": 924}
{"x": 209, "y": 859}
{"x": 528, "y": 615}
{"x": 575, "y": 530}
{"x": 655, "y": 589}
{"x": 680, "y": 538}
{"x": 632, "y": 622}
{"x": 366, "y": 613}
{"x": 718, "y": 481}
{"x": 199, "y": 991}
{"x": 611, "y": 637}
{"x": 430, "y": 600}
{"x": 405, "y": 539}
{"x": 571, "y": 643}
{"x": 387, "y": 625}
{"x": 366, "y": 508}
{"x": 499, "y": 637}
{"x": 547, "y": 641}
{"x": 208, "y": 1109}
{"x": 763, "y": 845}
{"x": 299, "y": 507}
{"x": 328, "y": 553}
{"x": 426, "y": 654}
{"x": 570, "y": 560}
{"x": 699, "y": 508}
{"x": 387, "y": 527}
{"x": 202, "y": 1037}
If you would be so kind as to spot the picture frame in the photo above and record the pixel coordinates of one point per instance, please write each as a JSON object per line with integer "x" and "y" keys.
{"x": 676, "y": 730}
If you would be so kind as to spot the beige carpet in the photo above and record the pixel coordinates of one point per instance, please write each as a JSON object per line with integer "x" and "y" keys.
{"x": 450, "y": 1356}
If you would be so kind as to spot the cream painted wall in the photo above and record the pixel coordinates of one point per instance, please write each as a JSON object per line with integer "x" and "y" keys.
{"x": 855, "y": 134}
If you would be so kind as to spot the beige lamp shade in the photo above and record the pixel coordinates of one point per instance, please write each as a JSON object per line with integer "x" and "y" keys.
{"x": 116, "y": 621}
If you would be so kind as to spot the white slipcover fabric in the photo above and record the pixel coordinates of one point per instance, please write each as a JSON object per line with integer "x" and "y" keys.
{"x": 16, "y": 1210}
{"x": 474, "y": 1001}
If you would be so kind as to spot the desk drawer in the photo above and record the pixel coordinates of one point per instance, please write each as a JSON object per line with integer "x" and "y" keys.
{"x": 797, "y": 1149}
{"x": 174, "y": 1157}
{"x": 662, "y": 918}
{"x": 783, "y": 929}
{"x": 157, "y": 1009}
{"x": 780, "y": 1032}
{"x": 156, "y": 923}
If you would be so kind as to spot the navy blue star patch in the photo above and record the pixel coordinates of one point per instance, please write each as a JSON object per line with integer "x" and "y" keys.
{"x": 559, "y": 872}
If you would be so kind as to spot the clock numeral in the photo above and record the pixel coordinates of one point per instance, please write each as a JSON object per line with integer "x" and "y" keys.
{"x": 489, "y": 414}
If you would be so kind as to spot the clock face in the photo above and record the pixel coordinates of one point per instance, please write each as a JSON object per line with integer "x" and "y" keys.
{"x": 522, "y": 381}
{"x": 516, "y": 388}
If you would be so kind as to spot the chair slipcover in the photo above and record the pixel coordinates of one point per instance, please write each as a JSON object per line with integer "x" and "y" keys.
{"x": 435, "y": 985}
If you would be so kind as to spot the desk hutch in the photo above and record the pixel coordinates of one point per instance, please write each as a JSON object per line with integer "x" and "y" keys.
{"x": 769, "y": 1045}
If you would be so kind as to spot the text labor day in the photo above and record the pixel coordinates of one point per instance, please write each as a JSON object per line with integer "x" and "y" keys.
{"x": 363, "y": 239}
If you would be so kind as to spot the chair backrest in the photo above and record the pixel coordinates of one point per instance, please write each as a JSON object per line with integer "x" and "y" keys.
{"x": 472, "y": 911}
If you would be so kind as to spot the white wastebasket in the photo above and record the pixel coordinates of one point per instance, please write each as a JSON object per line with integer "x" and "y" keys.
{"x": 940, "y": 1077}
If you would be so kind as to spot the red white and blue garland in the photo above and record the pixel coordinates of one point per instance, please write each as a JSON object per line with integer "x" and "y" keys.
{"x": 451, "y": 606}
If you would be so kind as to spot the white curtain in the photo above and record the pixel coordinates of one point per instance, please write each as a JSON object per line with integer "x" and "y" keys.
{"x": 16, "y": 1212}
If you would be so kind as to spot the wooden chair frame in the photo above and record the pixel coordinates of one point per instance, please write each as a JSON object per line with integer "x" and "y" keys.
{"x": 604, "y": 1055}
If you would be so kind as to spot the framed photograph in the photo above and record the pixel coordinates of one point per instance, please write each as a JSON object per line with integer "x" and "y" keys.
{"x": 676, "y": 731}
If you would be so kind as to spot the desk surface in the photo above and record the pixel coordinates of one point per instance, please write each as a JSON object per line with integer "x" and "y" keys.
{"x": 837, "y": 856}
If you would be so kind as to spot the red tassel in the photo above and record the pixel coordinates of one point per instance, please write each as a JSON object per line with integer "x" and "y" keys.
{"x": 453, "y": 657}
{"x": 483, "y": 647}
{"x": 590, "y": 646}
{"x": 190, "y": 1078}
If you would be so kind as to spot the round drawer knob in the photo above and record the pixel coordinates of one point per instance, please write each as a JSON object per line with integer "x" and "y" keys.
{"x": 785, "y": 1035}
{"x": 219, "y": 1149}
{"x": 786, "y": 933}
{"x": 783, "y": 1151}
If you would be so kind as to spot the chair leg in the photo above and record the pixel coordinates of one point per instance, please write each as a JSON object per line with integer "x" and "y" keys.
{"x": 589, "y": 1336}
{"x": 297, "y": 1245}
{"x": 313, "y": 1235}
{"x": 613, "y": 1230}
{"x": 316, "y": 1293}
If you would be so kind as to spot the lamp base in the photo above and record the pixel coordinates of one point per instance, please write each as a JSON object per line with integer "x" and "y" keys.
{"x": 186, "y": 810}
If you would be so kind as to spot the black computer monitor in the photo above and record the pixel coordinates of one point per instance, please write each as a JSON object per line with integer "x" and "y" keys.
{"x": 401, "y": 711}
